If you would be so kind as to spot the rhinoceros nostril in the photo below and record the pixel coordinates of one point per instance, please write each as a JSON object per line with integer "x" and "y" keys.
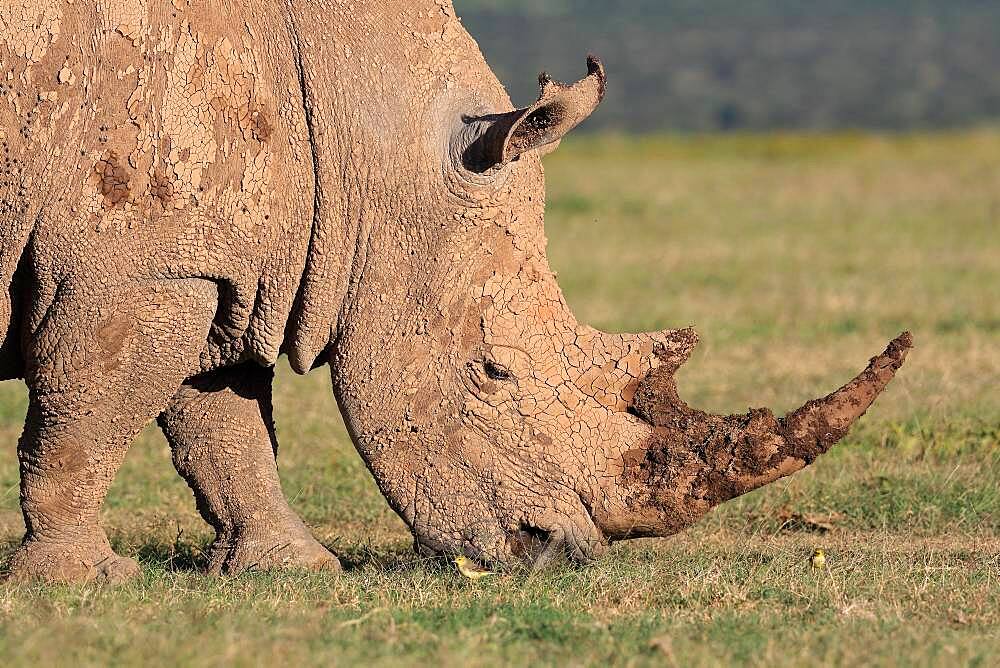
{"x": 496, "y": 371}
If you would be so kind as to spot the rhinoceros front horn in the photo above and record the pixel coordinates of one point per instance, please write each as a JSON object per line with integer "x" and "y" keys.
{"x": 696, "y": 460}
{"x": 560, "y": 108}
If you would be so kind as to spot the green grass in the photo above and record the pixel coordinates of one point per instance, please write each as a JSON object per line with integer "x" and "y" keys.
{"x": 797, "y": 257}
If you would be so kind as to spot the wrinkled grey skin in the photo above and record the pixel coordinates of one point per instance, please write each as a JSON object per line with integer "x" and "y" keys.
{"x": 187, "y": 192}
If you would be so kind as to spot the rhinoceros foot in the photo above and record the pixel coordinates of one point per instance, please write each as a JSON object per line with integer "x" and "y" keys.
{"x": 76, "y": 562}
{"x": 266, "y": 550}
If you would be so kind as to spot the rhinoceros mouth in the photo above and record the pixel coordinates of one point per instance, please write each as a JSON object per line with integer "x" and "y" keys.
{"x": 528, "y": 543}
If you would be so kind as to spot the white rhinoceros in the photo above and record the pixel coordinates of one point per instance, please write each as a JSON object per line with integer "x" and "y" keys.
{"x": 190, "y": 189}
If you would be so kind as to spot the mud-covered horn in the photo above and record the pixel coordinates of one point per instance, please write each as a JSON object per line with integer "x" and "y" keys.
{"x": 560, "y": 108}
{"x": 695, "y": 460}
{"x": 815, "y": 427}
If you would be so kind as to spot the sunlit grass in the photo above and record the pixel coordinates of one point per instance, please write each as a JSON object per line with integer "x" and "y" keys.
{"x": 797, "y": 257}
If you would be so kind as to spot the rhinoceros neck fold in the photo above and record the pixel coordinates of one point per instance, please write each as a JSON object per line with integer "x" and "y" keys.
{"x": 335, "y": 243}
{"x": 367, "y": 85}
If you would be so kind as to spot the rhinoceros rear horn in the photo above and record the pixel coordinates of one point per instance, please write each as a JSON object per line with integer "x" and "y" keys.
{"x": 559, "y": 109}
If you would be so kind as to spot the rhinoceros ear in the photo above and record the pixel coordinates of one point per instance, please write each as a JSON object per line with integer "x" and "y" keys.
{"x": 559, "y": 109}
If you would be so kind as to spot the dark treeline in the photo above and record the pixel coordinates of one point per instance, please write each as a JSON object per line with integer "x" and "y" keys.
{"x": 756, "y": 64}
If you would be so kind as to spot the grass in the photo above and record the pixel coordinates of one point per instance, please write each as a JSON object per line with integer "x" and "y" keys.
{"x": 797, "y": 257}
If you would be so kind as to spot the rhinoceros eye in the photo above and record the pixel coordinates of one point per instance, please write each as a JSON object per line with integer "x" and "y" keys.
{"x": 496, "y": 371}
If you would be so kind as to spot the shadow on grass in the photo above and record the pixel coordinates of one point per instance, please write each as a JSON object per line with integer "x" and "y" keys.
{"x": 179, "y": 556}
{"x": 392, "y": 558}
{"x": 7, "y": 548}
{"x": 191, "y": 556}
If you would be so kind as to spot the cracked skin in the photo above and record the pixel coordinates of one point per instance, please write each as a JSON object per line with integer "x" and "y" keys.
{"x": 189, "y": 190}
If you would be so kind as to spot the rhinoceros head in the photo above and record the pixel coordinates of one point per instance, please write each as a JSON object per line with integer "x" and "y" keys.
{"x": 496, "y": 424}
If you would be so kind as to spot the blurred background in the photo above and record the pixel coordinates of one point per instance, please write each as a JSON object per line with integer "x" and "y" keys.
{"x": 756, "y": 64}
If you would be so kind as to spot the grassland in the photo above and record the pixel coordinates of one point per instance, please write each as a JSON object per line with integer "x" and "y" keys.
{"x": 797, "y": 257}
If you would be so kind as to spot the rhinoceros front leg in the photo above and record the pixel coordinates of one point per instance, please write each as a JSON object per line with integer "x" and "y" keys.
{"x": 99, "y": 368}
{"x": 221, "y": 433}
